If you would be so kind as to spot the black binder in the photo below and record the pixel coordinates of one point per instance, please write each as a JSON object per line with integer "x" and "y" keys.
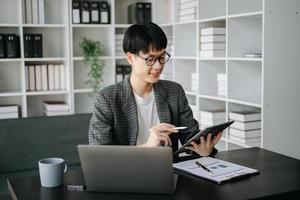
{"x": 85, "y": 12}
{"x": 95, "y": 12}
{"x": 37, "y": 44}
{"x": 147, "y": 12}
{"x": 104, "y": 13}
{"x": 2, "y": 46}
{"x": 12, "y": 46}
{"x": 76, "y": 12}
{"x": 139, "y": 13}
{"x": 28, "y": 46}
{"x": 136, "y": 13}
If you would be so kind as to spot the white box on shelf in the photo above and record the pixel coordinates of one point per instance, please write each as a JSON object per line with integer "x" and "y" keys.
{"x": 245, "y": 116}
{"x": 188, "y": 4}
{"x": 212, "y": 38}
{"x": 245, "y": 134}
{"x": 222, "y": 87}
{"x": 222, "y": 77}
{"x": 251, "y": 141}
{"x": 187, "y": 17}
{"x": 246, "y": 125}
{"x": 55, "y": 106}
{"x": 213, "y": 46}
{"x": 56, "y": 113}
{"x": 188, "y": 11}
{"x": 11, "y": 115}
{"x": 213, "y": 114}
{"x": 8, "y": 108}
{"x": 213, "y": 31}
{"x": 212, "y": 53}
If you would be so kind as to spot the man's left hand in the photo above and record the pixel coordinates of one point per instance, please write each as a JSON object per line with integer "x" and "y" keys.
{"x": 205, "y": 147}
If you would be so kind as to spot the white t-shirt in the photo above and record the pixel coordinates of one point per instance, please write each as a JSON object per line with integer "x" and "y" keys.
{"x": 147, "y": 116}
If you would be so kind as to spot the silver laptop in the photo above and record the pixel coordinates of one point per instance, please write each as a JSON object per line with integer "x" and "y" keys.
{"x": 132, "y": 169}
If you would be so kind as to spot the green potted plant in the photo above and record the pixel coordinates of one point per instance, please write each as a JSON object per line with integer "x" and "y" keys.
{"x": 91, "y": 51}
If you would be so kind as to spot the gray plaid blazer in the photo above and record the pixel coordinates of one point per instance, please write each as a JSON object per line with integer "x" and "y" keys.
{"x": 115, "y": 121}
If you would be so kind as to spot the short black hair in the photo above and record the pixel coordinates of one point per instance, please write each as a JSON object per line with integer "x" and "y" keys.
{"x": 144, "y": 37}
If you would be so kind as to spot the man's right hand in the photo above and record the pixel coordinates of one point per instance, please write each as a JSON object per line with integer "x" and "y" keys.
{"x": 159, "y": 135}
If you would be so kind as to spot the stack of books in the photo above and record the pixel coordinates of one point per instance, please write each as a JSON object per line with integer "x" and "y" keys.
{"x": 33, "y": 11}
{"x": 119, "y": 44}
{"x": 212, "y": 117}
{"x": 212, "y": 42}
{"x": 194, "y": 82}
{"x": 247, "y": 127}
{"x": 170, "y": 47}
{"x": 45, "y": 77}
{"x": 9, "y": 111}
{"x": 222, "y": 84}
{"x": 55, "y": 108}
{"x": 187, "y": 10}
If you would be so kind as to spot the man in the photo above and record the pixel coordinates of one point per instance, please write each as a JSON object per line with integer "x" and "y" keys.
{"x": 143, "y": 110}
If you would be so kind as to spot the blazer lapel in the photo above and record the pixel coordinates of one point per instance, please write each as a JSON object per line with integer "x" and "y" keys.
{"x": 162, "y": 104}
{"x": 130, "y": 112}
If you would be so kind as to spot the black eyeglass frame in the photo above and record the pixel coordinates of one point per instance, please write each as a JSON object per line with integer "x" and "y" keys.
{"x": 156, "y": 58}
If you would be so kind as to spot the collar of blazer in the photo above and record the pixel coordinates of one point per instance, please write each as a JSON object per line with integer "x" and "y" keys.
{"x": 130, "y": 110}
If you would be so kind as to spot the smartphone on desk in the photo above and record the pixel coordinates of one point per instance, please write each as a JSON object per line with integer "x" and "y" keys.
{"x": 214, "y": 130}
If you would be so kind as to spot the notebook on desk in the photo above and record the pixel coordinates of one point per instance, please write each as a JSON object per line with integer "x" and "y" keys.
{"x": 213, "y": 169}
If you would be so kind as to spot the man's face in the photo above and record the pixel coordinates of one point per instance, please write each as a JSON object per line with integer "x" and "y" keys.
{"x": 141, "y": 68}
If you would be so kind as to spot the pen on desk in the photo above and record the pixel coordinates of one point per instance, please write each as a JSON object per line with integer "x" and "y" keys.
{"x": 203, "y": 167}
{"x": 180, "y": 128}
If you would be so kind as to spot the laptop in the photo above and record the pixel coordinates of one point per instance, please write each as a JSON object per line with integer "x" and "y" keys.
{"x": 131, "y": 169}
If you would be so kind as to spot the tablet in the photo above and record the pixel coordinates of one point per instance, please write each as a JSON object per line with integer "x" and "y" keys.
{"x": 214, "y": 130}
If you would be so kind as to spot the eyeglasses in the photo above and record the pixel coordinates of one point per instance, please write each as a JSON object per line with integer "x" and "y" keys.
{"x": 162, "y": 59}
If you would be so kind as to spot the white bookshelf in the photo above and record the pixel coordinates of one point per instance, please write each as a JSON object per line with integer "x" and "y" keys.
{"x": 246, "y": 77}
{"x": 247, "y": 25}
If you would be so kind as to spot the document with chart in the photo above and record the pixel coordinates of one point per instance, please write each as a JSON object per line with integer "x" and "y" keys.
{"x": 213, "y": 169}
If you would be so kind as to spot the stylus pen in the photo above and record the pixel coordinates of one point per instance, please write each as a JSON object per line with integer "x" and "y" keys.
{"x": 203, "y": 167}
{"x": 180, "y": 128}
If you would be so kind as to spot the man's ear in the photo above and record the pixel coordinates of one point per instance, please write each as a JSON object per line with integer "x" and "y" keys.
{"x": 130, "y": 57}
